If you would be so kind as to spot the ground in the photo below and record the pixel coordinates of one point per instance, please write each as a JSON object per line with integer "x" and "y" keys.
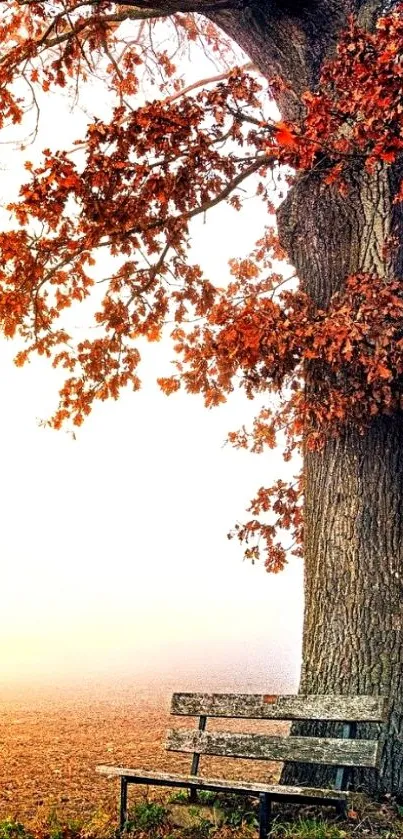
{"x": 51, "y": 742}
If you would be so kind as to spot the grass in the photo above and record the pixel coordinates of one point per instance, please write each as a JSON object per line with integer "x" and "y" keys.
{"x": 147, "y": 816}
{"x": 238, "y": 819}
{"x": 11, "y": 829}
{"x": 308, "y": 828}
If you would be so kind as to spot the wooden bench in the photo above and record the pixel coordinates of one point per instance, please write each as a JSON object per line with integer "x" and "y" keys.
{"x": 343, "y": 752}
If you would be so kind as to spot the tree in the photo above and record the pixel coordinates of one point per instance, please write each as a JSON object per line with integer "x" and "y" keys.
{"x": 330, "y": 349}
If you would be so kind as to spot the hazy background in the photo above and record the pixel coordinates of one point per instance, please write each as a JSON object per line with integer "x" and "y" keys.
{"x": 114, "y": 551}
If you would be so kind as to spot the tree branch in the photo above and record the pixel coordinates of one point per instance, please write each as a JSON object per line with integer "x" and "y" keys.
{"x": 169, "y": 7}
{"x": 202, "y": 82}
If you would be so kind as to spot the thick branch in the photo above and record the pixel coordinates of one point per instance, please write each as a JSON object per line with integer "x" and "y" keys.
{"x": 169, "y": 7}
{"x": 136, "y": 11}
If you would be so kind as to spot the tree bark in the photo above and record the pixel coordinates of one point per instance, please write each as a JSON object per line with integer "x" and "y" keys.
{"x": 354, "y": 579}
{"x": 353, "y": 551}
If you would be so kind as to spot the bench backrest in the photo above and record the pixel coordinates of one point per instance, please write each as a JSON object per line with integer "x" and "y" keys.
{"x": 331, "y": 751}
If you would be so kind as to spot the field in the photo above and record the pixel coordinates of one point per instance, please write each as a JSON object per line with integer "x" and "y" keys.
{"x": 52, "y": 739}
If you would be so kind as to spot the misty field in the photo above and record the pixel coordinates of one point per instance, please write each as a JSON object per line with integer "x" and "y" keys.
{"x": 52, "y": 739}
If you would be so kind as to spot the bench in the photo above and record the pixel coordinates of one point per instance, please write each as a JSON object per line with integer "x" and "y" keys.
{"x": 343, "y": 753}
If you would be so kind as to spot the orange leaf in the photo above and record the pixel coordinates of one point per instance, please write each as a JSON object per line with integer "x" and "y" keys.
{"x": 168, "y": 385}
{"x": 383, "y": 371}
{"x": 284, "y": 135}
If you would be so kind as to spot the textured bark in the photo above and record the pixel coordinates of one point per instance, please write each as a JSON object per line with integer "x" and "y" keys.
{"x": 353, "y": 549}
{"x": 353, "y": 578}
{"x": 286, "y": 40}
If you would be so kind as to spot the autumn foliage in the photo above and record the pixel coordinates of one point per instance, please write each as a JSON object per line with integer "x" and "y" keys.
{"x": 133, "y": 185}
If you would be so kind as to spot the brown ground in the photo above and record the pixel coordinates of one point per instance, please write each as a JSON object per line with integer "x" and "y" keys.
{"x": 50, "y": 743}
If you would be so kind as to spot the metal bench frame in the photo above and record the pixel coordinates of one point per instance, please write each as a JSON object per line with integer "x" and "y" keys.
{"x": 344, "y": 753}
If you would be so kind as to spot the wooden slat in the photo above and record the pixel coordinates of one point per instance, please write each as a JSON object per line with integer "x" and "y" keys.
{"x": 329, "y": 751}
{"x": 263, "y": 706}
{"x": 277, "y": 790}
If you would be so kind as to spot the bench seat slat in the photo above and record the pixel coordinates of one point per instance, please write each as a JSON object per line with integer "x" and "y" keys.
{"x": 264, "y": 706}
{"x": 321, "y": 750}
{"x": 276, "y": 790}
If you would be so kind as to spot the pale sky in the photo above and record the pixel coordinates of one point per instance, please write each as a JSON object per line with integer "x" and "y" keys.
{"x": 114, "y": 549}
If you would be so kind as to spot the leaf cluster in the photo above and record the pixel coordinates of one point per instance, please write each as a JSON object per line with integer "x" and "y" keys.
{"x": 130, "y": 189}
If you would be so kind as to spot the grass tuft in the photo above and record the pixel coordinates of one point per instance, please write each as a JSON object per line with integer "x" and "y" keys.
{"x": 146, "y": 816}
{"x": 217, "y": 816}
{"x": 308, "y": 829}
{"x": 11, "y": 829}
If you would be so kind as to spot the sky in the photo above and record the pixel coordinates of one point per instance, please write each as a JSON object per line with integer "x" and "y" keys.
{"x": 114, "y": 551}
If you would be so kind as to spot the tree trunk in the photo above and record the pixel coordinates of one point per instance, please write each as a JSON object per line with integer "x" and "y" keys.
{"x": 354, "y": 578}
{"x": 353, "y": 551}
{"x": 353, "y": 626}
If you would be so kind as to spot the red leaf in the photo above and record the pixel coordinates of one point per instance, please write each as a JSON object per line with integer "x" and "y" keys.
{"x": 284, "y": 135}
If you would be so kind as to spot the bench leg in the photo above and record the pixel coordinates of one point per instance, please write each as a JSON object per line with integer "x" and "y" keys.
{"x": 123, "y": 804}
{"x": 341, "y": 809}
{"x": 264, "y": 814}
{"x": 193, "y": 795}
